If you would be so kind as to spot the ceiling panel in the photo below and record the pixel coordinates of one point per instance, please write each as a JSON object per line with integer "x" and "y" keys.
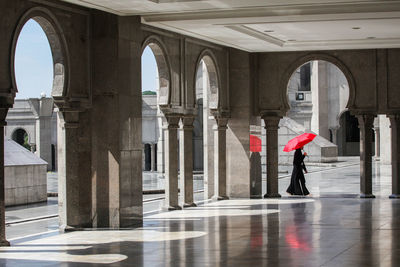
{"x": 275, "y": 25}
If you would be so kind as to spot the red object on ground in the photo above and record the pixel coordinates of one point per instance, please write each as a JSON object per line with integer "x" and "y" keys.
{"x": 255, "y": 143}
{"x": 299, "y": 141}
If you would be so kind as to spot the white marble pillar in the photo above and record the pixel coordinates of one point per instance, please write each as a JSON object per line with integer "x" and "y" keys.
{"x": 220, "y": 158}
{"x": 186, "y": 161}
{"x": 365, "y": 123}
{"x": 153, "y": 157}
{"x": 272, "y": 126}
{"x": 161, "y": 144}
{"x": 171, "y": 163}
{"x": 395, "y": 132}
{"x": 377, "y": 143}
{"x": 3, "y": 240}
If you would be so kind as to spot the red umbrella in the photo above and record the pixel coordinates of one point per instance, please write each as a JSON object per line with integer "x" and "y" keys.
{"x": 299, "y": 141}
{"x": 255, "y": 143}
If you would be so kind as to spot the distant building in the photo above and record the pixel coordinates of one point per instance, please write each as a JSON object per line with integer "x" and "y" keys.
{"x": 32, "y": 123}
{"x": 25, "y": 175}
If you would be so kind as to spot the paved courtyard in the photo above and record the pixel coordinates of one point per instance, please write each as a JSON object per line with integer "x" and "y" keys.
{"x": 332, "y": 228}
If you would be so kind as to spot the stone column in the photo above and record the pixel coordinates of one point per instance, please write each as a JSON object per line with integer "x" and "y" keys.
{"x": 186, "y": 161}
{"x": 68, "y": 172}
{"x": 171, "y": 162}
{"x": 160, "y": 146}
{"x": 334, "y": 135}
{"x": 153, "y": 157}
{"x": 366, "y": 123}
{"x": 272, "y": 126}
{"x": 220, "y": 158}
{"x": 143, "y": 157}
{"x": 377, "y": 143}
{"x": 395, "y": 132}
{"x": 3, "y": 240}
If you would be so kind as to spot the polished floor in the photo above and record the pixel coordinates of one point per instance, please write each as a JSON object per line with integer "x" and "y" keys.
{"x": 333, "y": 228}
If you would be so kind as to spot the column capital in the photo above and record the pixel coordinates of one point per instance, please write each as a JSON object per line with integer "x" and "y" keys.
{"x": 222, "y": 122}
{"x": 394, "y": 117}
{"x": 366, "y": 120}
{"x": 394, "y": 120}
{"x": 271, "y": 122}
{"x": 187, "y": 121}
{"x": 173, "y": 120}
{"x": 71, "y": 119}
{"x": 221, "y": 117}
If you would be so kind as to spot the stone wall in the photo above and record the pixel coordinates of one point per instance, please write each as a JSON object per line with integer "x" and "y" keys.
{"x": 25, "y": 184}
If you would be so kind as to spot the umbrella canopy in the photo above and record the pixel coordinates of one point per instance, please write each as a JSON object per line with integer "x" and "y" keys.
{"x": 299, "y": 141}
{"x": 255, "y": 143}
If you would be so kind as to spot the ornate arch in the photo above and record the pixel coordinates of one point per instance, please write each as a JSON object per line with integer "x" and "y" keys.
{"x": 310, "y": 57}
{"x": 209, "y": 59}
{"x": 58, "y": 45}
{"x": 163, "y": 66}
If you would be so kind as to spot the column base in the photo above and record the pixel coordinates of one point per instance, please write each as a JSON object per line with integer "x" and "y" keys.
{"x": 189, "y": 205}
{"x": 216, "y": 198}
{"x": 394, "y": 196}
{"x": 256, "y": 197}
{"x": 171, "y": 208}
{"x": 272, "y": 195}
{"x": 4, "y": 243}
{"x": 367, "y": 196}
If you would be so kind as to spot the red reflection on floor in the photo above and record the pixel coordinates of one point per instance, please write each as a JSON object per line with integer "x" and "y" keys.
{"x": 293, "y": 239}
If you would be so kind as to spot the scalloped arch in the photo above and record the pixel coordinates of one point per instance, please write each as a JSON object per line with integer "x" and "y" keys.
{"x": 47, "y": 20}
{"x": 164, "y": 71}
{"x": 317, "y": 56}
{"x": 210, "y": 61}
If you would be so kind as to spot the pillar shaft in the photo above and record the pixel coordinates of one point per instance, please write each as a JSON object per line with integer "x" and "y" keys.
{"x": 366, "y": 123}
{"x": 186, "y": 161}
{"x": 334, "y": 135}
{"x": 171, "y": 163}
{"x": 3, "y": 240}
{"x": 68, "y": 172}
{"x": 377, "y": 143}
{"x": 271, "y": 126}
{"x": 153, "y": 157}
{"x": 395, "y": 131}
{"x": 220, "y": 158}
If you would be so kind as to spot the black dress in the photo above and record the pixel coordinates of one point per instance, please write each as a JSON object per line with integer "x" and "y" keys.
{"x": 298, "y": 182}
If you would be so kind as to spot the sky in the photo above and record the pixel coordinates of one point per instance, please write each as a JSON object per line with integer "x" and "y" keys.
{"x": 34, "y": 64}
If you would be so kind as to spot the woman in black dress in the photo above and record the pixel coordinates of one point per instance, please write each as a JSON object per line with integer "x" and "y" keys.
{"x": 297, "y": 182}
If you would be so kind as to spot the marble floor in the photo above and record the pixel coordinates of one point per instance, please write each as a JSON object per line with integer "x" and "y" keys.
{"x": 332, "y": 228}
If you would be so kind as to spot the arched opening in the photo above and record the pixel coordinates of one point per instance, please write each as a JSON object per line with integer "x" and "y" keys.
{"x": 21, "y": 137}
{"x": 318, "y": 94}
{"x": 206, "y": 87}
{"x": 155, "y": 93}
{"x": 38, "y": 72}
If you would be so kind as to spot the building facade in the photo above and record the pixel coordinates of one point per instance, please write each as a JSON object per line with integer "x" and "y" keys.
{"x": 33, "y": 122}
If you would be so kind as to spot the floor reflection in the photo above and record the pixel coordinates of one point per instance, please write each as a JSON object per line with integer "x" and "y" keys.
{"x": 334, "y": 231}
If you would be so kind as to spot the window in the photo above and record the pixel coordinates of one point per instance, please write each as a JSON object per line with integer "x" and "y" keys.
{"x": 305, "y": 77}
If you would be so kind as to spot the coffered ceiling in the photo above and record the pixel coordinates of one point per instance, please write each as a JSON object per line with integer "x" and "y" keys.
{"x": 274, "y": 25}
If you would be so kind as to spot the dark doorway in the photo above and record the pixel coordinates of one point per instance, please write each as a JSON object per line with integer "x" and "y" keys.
{"x": 53, "y": 157}
{"x": 147, "y": 157}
